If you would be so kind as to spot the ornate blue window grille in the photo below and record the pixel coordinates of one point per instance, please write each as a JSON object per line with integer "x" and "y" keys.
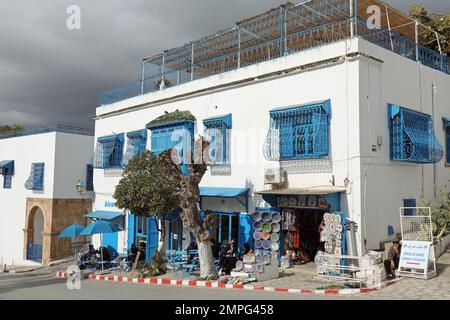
{"x": 89, "y": 177}
{"x": 217, "y": 130}
{"x": 299, "y": 132}
{"x": 412, "y": 136}
{"x": 136, "y": 144}
{"x": 178, "y": 135}
{"x": 36, "y": 179}
{"x": 7, "y": 170}
{"x": 109, "y": 152}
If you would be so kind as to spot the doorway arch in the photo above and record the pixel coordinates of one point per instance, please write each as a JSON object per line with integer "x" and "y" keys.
{"x": 35, "y": 238}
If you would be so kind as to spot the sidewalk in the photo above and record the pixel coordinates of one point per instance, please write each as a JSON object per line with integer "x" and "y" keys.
{"x": 437, "y": 288}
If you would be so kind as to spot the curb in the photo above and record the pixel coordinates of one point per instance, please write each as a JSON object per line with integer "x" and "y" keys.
{"x": 216, "y": 284}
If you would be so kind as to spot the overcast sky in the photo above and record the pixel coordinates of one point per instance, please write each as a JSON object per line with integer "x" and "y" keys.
{"x": 50, "y": 74}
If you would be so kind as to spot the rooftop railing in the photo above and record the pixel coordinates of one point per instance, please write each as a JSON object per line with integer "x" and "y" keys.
{"x": 279, "y": 32}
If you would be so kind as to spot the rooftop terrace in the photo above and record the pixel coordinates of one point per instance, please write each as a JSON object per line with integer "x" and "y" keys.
{"x": 281, "y": 31}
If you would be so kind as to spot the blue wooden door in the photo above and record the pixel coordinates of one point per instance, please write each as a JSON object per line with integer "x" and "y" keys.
{"x": 131, "y": 231}
{"x": 245, "y": 230}
{"x": 34, "y": 252}
{"x": 152, "y": 238}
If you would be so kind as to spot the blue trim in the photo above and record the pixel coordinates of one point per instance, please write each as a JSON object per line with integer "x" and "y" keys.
{"x": 445, "y": 122}
{"x": 447, "y": 142}
{"x": 409, "y": 203}
{"x": 136, "y": 144}
{"x": 131, "y": 230}
{"x": 152, "y": 238}
{"x": 7, "y": 170}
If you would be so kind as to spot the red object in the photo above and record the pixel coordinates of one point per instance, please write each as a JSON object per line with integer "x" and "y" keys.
{"x": 297, "y": 238}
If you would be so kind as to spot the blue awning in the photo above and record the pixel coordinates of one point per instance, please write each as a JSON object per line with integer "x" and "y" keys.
{"x": 105, "y": 215}
{"x": 222, "y": 192}
{"x": 226, "y": 119}
{"x": 7, "y": 167}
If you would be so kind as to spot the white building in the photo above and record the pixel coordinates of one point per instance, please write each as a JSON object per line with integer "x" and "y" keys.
{"x": 333, "y": 87}
{"x": 39, "y": 171}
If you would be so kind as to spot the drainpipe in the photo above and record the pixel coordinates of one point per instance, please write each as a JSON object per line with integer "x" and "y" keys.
{"x": 433, "y": 99}
{"x": 417, "y": 40}
{"x": 352, "y": 14}
{"x": 192, "y": 61}
{"x": 239, "y": 47}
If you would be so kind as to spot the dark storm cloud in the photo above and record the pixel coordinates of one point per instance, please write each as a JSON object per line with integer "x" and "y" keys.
{"x": 49, "y": 74}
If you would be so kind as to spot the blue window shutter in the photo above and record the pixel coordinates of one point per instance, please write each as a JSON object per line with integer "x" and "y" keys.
{"x": 136, "y": 144}
{"x": 36, "y": 178}
{"x": 109, "y": 152}
{"x": 131, "y": 230}
{"x": 152, "y": 238}
{"x": 412, "y": 137}
{"x": 217, "y": 129}
{"x": 245, "y": 230}
{"x": 89, "y": 178}
{"x": 303, "y": 132}
{"x": 7, "y": 181}
{"x": 447, "y": 141}
{"x": 409, "y": 203}
{"x": 286, "y": 140}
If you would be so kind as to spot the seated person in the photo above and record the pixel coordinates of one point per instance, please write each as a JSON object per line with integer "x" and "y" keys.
{"x": 132, "y": 253}
{"x": 104, "y": 254}
{"x": 230, "y": 258}
{"x": 142, "y": 250}
{"x": 191, "y": 246}
{"x": 247, "y": 249}
{"x": 215, "y": 246}
{"x": 392, "y": 260}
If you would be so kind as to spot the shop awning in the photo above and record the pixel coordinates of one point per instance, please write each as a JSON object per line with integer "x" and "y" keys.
{"x": 319, "y": 190}
{"x": 105, "y": 215}
{"x": 222, "y": 192}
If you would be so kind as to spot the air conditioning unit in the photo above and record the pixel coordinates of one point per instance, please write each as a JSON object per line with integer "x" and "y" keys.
{"x": 273, "y": 175}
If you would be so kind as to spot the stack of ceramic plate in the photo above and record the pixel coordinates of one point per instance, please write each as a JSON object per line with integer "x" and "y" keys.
{"x": 257, "y": 225}
{"x": 332, "y": 233}
{"x": 267, "y": 244}
{"x": 257, "y": 235}
{"x": 266, "y": 216}
{"x": 256, "y": 216}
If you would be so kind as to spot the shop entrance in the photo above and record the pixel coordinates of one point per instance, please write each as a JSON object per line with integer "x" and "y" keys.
{"x": 301, "y": 235}
{"x": 225, "y": 226}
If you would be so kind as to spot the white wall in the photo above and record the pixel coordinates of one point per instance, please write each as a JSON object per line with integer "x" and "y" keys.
{"x": 359, "y": 89}
{"x": 24, "y": 151}
{"x": 72, "y": 154}
{"x": 386, "y": 183}
{"x": 250, "y": 105}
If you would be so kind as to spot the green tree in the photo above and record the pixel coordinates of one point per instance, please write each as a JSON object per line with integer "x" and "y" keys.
{"x": 438, "y": 22}
{"x": 145, "y": 191}
{"x": 10, "y": 129}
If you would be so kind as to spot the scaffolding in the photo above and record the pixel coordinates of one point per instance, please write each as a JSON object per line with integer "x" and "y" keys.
{"x": 281, "y": 31}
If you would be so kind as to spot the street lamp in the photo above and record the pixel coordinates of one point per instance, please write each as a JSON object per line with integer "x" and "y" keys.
{"x": 80, "y": 187}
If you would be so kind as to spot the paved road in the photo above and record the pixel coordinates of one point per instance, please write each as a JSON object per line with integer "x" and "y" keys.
{"x": 48, "y": 287}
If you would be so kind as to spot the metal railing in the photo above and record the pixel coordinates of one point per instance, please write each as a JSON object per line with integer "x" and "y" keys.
{"x": 276, "y": 33}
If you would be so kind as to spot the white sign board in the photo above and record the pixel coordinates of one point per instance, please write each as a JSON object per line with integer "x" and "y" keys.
{"x": 414, "y": 258}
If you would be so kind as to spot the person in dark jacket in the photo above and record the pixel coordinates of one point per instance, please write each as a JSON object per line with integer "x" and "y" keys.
{"x": 392, "y": 260}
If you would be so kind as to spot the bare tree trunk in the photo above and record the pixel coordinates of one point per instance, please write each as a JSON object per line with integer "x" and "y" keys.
{"x": 189, "y": 192}
{"x": 207, "y": 267}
